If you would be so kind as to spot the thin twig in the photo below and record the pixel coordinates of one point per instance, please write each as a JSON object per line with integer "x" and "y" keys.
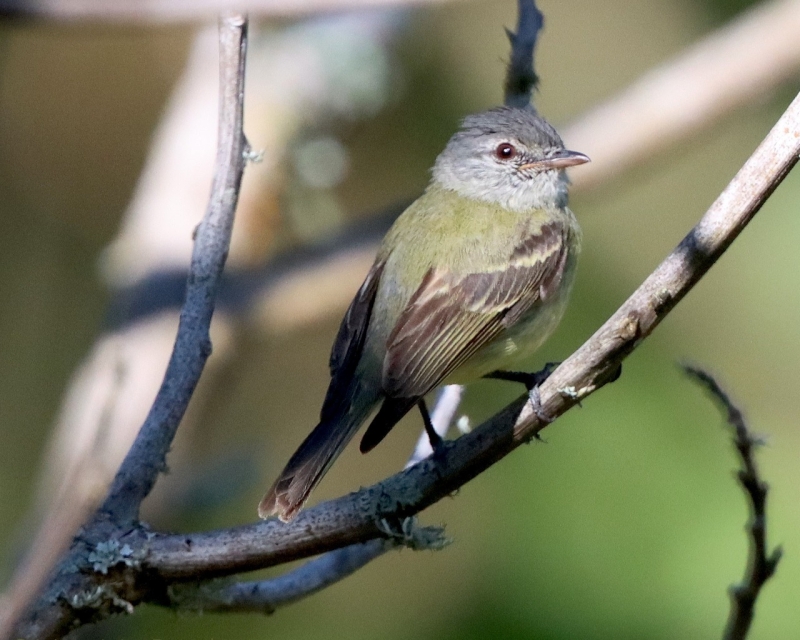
{"x": 521, "y": 78}
{"x": 265, "y": 596}
{"x": 147, "y": 457}
{"x": 761, "y": 565}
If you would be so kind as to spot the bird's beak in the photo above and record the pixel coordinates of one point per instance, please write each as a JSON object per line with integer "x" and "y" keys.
{"x": 558, "y": 160}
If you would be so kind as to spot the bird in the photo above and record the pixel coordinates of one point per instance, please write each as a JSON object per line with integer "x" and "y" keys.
{"x": 468, "y": 282}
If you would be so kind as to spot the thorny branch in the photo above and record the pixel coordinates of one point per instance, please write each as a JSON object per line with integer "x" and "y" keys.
{"x": 761, "y": 565}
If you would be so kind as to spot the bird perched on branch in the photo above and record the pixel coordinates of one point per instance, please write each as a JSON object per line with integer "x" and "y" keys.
{"x": 470, "y": 280}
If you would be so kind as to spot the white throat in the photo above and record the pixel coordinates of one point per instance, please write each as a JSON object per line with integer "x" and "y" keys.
{"x": 545, "y": 190}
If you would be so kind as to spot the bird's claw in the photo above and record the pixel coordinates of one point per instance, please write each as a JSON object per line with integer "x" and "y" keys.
{"x": 536, "y": 403}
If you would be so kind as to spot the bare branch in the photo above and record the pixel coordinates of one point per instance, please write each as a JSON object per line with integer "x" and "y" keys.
{"x": 760, "y": 565}
{"x": 147, "y": 457}
{"x": 111, "y": 392}
{"x": 265, "y": 596}
{"x": 353, "y": 518}
{"x": 521, "y": 78}
{"x": 130, "y": 11}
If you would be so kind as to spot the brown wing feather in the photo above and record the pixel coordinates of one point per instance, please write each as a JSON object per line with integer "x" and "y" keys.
{"x": 349, "y": 343}
{"x": 338, "y": 422}
{"x": 449, "y": 318}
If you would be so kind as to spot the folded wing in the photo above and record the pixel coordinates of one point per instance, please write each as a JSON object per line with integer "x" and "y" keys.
{"x": 450, "y": 317}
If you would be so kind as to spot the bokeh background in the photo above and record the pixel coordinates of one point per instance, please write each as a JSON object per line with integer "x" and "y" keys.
{"x": 627, "y": 523}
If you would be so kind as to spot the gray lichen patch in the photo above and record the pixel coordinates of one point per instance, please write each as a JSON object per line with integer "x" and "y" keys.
{"x": 109, "y": 554}
{"x": 99, "y": 598}
{"x": 411, "y": 535}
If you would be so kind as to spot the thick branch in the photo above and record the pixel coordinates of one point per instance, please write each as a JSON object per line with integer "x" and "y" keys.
{"x": 761, "y": 565}
{"x": 267, "y": 595}
{"x": 352, "y": 518}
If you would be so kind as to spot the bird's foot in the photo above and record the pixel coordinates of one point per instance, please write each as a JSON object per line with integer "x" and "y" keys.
{"x": 536, "y": 403}
{"x": 434, "y": 438}
{"x": 532, "y": 382}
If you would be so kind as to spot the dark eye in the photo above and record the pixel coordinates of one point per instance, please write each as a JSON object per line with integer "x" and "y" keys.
{"x": 505, "y": 151}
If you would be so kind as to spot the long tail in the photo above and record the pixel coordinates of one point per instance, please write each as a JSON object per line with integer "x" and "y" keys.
{"x": 309, "y": 464}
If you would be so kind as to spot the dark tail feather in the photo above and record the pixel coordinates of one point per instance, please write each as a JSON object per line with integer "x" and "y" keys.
{"x": 307, "y": 466}
{"x": 392, "y": 411}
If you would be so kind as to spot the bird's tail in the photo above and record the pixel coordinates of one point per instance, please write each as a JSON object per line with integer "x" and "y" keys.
{"x": 310, "y": 463}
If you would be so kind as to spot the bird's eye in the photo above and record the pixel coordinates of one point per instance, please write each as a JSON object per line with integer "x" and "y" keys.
{"x": 505, "y": 151}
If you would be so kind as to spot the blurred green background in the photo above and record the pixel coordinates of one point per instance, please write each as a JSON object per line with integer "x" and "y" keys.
{"x": 628, "y": 522}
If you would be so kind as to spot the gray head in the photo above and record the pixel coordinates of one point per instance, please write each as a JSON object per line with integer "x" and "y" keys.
{"x": 507, "y": 156}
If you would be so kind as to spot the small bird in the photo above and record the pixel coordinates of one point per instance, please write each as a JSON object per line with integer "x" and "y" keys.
{"x": 470, "y": 280}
